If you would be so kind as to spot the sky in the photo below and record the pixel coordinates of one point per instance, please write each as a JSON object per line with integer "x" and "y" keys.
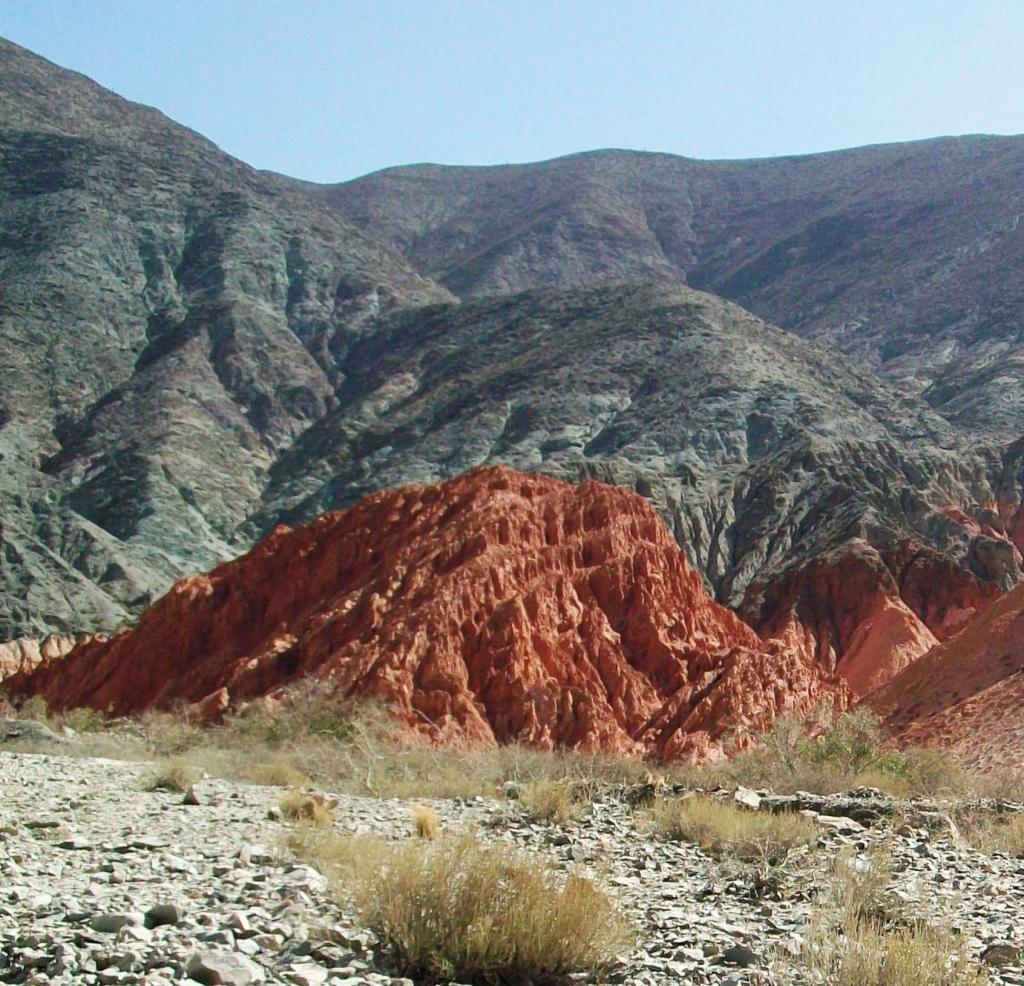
{"x": 328, "y": 91}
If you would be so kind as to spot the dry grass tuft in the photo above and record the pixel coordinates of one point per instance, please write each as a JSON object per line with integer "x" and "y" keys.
{"x": 457, "y": 909}
{"x": 298, "y": 806}
{"x": 552, "y": 800}
{"x": 173, "y": 774}
{"x": 276, "y": 773}
{"x": 864, "y": 954}
{"x": 863, "y": 937}
{"x": 426, "y": 822}
{"x": 726, "y": 830}
{"x": 999, "y": 833}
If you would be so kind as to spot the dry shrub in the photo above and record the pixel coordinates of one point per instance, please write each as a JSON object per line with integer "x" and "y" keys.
{"x": 276, "y": 773}
{"x": 300, "y": 806}
{"x": 426, "y": 822}
{"x": 724, "y": 829}
{"x": 173, "y": 774}
{"x": 995, "y": 833}
{"x": 456, "y": 909}
{"x": 859, "y": 889}
{"x": 838, "y": 752}
{"x": 863, "y": 937}
{"x": 555, "y": 801}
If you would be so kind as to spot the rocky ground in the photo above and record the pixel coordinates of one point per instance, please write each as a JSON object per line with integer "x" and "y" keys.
{"x": 103, "y": 881}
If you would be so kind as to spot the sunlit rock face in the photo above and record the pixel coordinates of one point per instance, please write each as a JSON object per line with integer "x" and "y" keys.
{"x": 495, "y": 607}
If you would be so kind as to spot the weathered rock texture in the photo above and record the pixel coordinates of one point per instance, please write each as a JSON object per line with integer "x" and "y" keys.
{"x": 194, "y": 351}
{"x": 27, "y": 653}
{"x": 494, "y": 607}
{"x": 965, "y": 695}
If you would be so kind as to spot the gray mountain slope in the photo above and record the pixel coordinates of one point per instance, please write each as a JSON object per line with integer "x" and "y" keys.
{"x": 193, "y": 351}
{"x": 904, "y": 256}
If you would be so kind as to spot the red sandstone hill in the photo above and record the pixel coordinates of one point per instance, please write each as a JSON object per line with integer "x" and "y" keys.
{"x": 490, "y": 608}
{"x": 967, "y": 694}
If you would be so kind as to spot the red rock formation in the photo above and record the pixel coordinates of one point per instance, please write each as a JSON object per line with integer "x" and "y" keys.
{"x": 866, "y": 615}
{"x": 491, "y": 608}
{"x": 843, "y": 611}
{"x": 967, "y": 694}
{"x": 944, "y": 595}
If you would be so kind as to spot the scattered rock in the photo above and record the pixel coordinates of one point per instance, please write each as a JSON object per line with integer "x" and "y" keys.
{"x": 223, "y": 969}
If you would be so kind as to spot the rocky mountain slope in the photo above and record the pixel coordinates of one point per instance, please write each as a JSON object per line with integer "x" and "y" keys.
{"x": 497, "y": 607}
{"x": 195, "y": 351}
{"x": 169, "y": 319}
{"x": 903, "y": 256}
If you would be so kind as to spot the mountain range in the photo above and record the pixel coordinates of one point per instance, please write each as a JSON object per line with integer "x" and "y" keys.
{"x": 811, "y": 366}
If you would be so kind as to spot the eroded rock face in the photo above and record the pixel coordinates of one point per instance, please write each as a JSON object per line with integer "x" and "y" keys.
{"x": 27, "y": 653}
{"x": 495, "y": 607}
{"x": 867, "y": 615}
{"x": 965, "y": 695}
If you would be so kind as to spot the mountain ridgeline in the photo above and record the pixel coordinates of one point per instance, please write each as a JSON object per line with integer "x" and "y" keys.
{"x": 808, "y": 365}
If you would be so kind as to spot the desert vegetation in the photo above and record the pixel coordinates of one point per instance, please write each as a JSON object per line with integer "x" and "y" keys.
{"x": 457, "y": 908}
{"x": 726, "y": 830}
{"x": 864, "y": 937}
{"x": 307, "y": 738}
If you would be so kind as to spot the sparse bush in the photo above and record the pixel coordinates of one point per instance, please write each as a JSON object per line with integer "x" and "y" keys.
{"x": 842, "y": 752}
{"x": 84, "y": 720}
{"x": 34, "y": 708}
{"x": 174, "y": 774}
{"x": 426, "y": 822}
{"x": 555, "y": 801}
{"x": 299, "y": 806}
{"x": 995, "y": 833}
{"x": 457, "y": 909}
{"x": 726, "y": 830}
{"x": 276, "y": 773}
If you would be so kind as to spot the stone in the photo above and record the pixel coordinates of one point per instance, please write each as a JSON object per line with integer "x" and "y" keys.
{"x": 747, "y": 798}
{"x": 223, "y": 969}
{"x": 160, "y": 915}
{"x": 114, "y": 922}
{"x": 1001, "y": 954}
{"x": 740, "y": 955}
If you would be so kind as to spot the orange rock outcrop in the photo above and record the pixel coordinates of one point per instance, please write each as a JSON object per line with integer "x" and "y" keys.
{"x": 494, "y": 607}
{"x": 967, "y": 694}
{"x": 26, "y": 653}
{"x": 843, "y": 612}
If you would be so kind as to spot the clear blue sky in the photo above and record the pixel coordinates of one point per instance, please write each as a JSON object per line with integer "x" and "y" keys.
{"x": 331, "y": 90}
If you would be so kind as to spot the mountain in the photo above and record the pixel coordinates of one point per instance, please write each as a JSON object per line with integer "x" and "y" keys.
{"x": 903, "y": 256}
{"x": 195, "y": 351}
{"x": 496, "y": 607}
{"x": 169, "y": 321}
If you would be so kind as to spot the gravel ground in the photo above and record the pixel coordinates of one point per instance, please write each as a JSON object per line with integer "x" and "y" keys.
{"x": 102, "y": 881}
